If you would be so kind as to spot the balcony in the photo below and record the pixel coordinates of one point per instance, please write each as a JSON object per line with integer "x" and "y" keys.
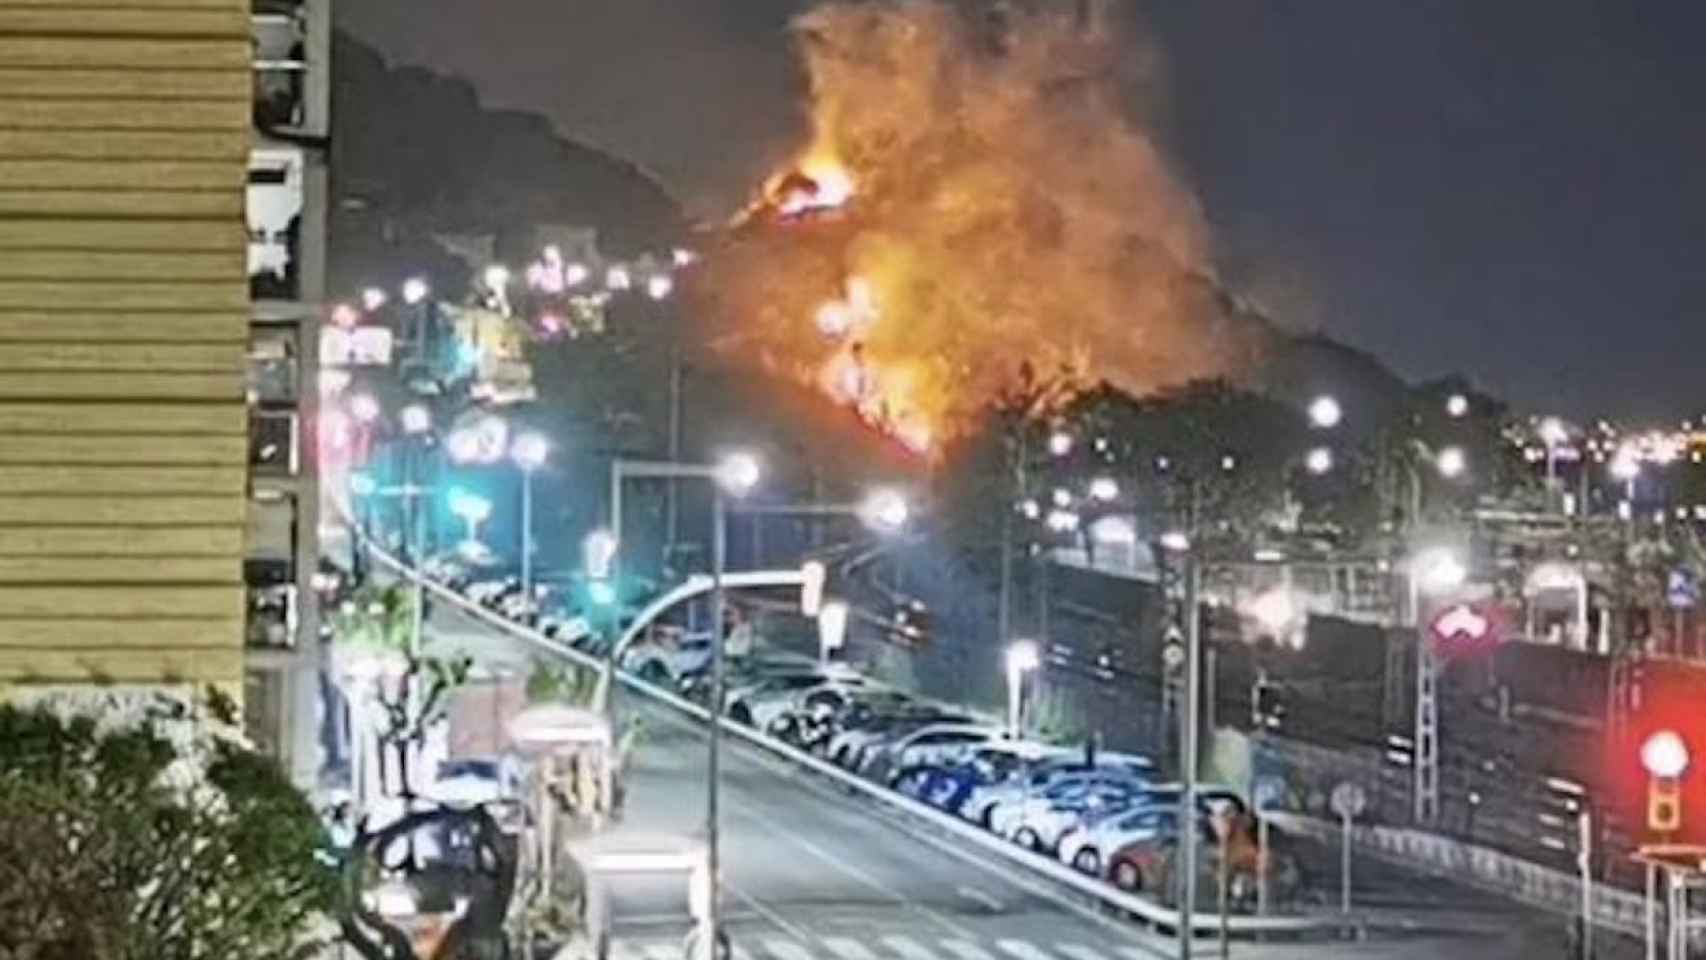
{"x": 274, "y": 442}
{"x": 270, "y": 613}
{"x": 285, "y": 48}
{"x": 273, "y": 371}
{"x": 273, "y": 211}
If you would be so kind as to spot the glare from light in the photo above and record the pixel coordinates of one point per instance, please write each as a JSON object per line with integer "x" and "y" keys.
{"x": 344, "y": 315}
{"x": 414, "y": 290}
{"x": 659, "y": 286}
{"x": 1456, "y": 406}
{"x": 1030, "y": 508}
{"x": 361, "y": 484}
{"x": 1437, "y": 569}
{"x": 530, "y": 450}
{"x": 364, "y": 407}
{"x": 1118, "y": 531}
{"x": 1665, "y": 754}
{"x": 601, "y": 592}
{"x": 1228, "y": 462}
{"x": 1060, "y": 443}
{"x": 1275, "y": 610}
{"x": 618, "y": 278}
{"x": 1176, "y": 541}
{"x": 1552, "y": 431}
{"x": 1451, "y": 462}
{"x": 497, "y": 278}
{"x": 1625, "y": 466}
{"x": 1023, "y": 657}
{"x": 575, "y": 274}
{"x": 682, "y": 257}
{"x": 834, "y": 318}
{"x": 1319, "y": 461}
{"x": 470, "y": 506}
{"x": 372, "y": 299}
{"x": 1104, "y": 489}
{"x": 1062, "y": 497}
{"x": 463, "y": 446}
{"x": 599, "y": 549}
{"x": 1062, "y": 521}
{"x": 739, "y": 473}
{"x": 885, "y": 510}
{"x": 415, "y": 419}
{"x": 1325, "y": 412}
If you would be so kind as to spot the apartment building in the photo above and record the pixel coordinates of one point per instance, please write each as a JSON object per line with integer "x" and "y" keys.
{"x": 156, "y": 504}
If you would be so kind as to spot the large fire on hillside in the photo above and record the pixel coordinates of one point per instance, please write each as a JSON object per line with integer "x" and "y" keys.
{"x": 975, "y": 201}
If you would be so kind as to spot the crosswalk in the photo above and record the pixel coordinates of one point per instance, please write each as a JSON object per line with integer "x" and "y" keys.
{"x": 891, "y": 947}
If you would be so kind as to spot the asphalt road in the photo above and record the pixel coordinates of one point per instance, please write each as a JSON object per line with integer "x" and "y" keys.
{"x": 811, "y": 874}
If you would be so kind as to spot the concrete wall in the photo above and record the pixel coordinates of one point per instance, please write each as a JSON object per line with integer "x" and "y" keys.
{"x": 124, "y": 135}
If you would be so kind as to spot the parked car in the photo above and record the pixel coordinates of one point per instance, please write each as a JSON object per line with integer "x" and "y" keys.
{"x": 1036, "y": 775}
{"x": 947, "y": 786}
{"x": 667, "y": 654}
{"x": 1038, "y": 821}
{"x": 827, "y": 714}
{"x": 938, "y": 743}
{"x": 778, "y": 687}
{"x": 1089, "y": 845}
{"x": 777, "y": 713}
{"x": 847, "y": 744}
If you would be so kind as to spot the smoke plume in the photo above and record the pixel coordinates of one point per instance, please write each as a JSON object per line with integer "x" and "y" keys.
{"x": 975, "y": 203}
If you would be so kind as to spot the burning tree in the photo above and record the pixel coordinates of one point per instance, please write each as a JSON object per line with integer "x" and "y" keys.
{"x": 974, "y": 194}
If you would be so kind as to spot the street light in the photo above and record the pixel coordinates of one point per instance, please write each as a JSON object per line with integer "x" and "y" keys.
{"x": 364, "y": 408}
{"x": 1456, "y": 406}
{"x": 414, "y": 290}
{"x": 1022, "y": 658}
{"x": 1319, "y": 461}
{"x": 1060, "y": 443}
{"x": 1436, "y": 570}
{"x": 496, "y": 278}
{"x": 885, "y": 511}
{"x": 472, "y": 508}
{"x": 1325, "y": 412}
{"x": 738, "y": 473}
{"x": 1451, "y": 462}
{"x": 415, "y": 419}
{"x": 1105, "y": 489}
{"x": 1665, "y": 754}
{"x": 659, "y": 286}
{"x": 529, "y": 454}
{"x": 372, "y": 299}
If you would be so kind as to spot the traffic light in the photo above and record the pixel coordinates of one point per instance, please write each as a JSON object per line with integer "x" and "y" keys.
{"x": 1664, "y": 804}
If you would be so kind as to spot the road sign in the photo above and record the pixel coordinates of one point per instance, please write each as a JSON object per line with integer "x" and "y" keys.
{"x": 1462, "y": 627}
{"x": 1682, "y": 589}
{"x": 1349, "y": 800}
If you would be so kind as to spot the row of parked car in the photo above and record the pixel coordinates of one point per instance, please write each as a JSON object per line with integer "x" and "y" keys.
{"x": 1107, "y": 814}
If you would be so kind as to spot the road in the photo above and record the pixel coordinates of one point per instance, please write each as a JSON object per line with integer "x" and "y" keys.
{"x": 811, "y": 874}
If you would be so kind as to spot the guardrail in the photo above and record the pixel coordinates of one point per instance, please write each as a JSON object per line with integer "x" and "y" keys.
{"x": 1109, "y": 897}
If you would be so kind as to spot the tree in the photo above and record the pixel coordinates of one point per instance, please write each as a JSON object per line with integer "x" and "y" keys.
{"x": 144, "y": 829}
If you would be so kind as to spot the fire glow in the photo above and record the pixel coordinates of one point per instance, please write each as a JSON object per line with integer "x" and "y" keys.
{"x": 975, "y": 206}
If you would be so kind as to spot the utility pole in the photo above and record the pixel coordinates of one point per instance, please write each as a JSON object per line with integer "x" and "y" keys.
{"x": 672, "y": 507}
{"x": 1188, "y": 754}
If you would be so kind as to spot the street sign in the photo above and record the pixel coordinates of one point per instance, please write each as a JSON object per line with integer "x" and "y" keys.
{"x": 1462, "y": 627}
{"x": 1682, "y": 589}
{"x": 1349, "y": 800}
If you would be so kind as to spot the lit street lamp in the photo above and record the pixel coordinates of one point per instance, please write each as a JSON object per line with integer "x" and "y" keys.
{"x": 1665, "y": 755}
{"x": 1060, "y": 443}
{"x": 1456, "y": 406}
{"x": 414, "y": 290}
{"x": 885, "y": 511}
{"x": 1105, "y": 489}
{"x": 735, "y": 475}
{"x": 1022, "y": 658}
{"x": 1319, "y": 461}
{"x": 472, "y": 508}
{"x": 1451, "y": 462}
{"x": 529, "y": 454}
{"x": 1325, "y": 412}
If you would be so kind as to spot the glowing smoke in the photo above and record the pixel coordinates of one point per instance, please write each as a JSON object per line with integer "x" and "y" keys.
{"x": 975, "y": 199}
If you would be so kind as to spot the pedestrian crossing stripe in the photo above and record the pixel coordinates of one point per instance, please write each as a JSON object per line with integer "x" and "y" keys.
{"x": 890, "y": 947}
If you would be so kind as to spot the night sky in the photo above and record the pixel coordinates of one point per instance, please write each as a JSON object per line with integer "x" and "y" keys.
{"x": 1515, "y": 190}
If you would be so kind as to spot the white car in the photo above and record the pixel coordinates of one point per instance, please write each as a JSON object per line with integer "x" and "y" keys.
{"x": 1032, "y": 777}
{"x": 777, "y": 690}
{"x": 936, "y": 743}
{"x": 1040, "y": 820}
{"x": 820, "y": 700}
{"x": 1088, "y": 846}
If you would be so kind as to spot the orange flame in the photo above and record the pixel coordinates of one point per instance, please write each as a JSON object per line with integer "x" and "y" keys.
{"x": 971, "y": 210}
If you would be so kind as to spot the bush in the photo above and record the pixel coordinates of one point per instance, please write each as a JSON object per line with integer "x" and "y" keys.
{"x": 144, "y": 830}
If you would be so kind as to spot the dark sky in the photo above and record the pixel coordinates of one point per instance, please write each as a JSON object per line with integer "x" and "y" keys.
{"x": 1515, "y": 189}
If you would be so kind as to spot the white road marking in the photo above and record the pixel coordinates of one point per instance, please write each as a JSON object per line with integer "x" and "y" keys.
{"x": 776, "y": 920}
{"x": 981, "y": 897}
{"x": 907, "y": 948}
{"x": 966, "y": 950}
{"x": 783, "y": 949}
{"x": 848, "y": 949}
{"x": 663, "y": 951}
{"x": 1022, "y": 950}
{"x": 1078, "y": 951}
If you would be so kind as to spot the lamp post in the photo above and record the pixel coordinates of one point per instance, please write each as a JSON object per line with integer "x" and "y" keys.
{"x": 1022, "y": 658}
{"x": 1433, "y": 571}
{"x": 735, "y": 476}
{"x": 529, "y": 454}
{"x": 416, "y": 421}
